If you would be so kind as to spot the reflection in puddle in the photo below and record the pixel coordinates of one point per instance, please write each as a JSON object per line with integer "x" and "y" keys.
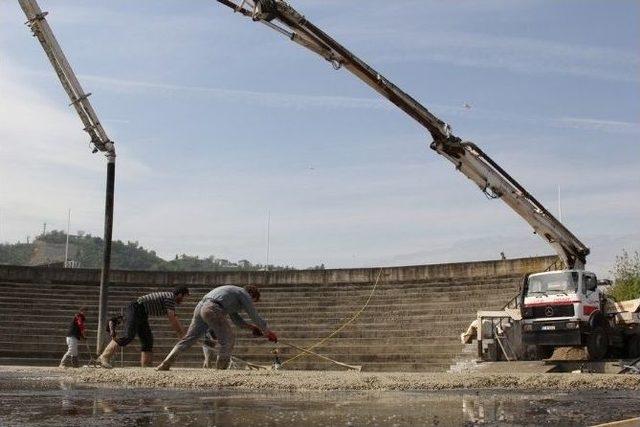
{"x": 26, "y": 401}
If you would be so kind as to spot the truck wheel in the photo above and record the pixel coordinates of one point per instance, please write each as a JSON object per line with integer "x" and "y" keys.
{"x": 633, "y": 347}
{"x": 596, "y": 343}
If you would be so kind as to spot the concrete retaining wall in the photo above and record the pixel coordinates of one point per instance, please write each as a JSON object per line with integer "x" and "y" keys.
{"x": 407, "y": 274}
{"x": 412, "y": 322}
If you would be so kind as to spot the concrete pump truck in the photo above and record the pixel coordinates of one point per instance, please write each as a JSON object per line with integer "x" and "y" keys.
{"x": 556, "y": 308}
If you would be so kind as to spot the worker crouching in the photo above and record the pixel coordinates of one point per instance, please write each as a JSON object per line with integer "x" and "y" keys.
{"x": 213, "y": 312}
{"x": 137, "y": 313}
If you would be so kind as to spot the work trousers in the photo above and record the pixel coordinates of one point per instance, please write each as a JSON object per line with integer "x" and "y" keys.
{"x": 137, "y": 324}
{"x": 72, "y": 344}
{"x": 72, "y": 352}
{"x": 209, "y": 315}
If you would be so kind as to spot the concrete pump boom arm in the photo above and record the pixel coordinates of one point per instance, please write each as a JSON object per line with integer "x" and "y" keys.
{"x": 466, "y": 156}
{"x": 99, "y": 139}
{"x": 42, "y": 31}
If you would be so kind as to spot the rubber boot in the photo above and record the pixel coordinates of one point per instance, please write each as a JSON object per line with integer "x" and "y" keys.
{"x": 66, "y": 359}
{"x": 222, "y": 363}
{"x": 105, "y": 358}
{"x": 168, "y": 361}
{"x": 146, "y": 359}
{"x": 209, "y": 354}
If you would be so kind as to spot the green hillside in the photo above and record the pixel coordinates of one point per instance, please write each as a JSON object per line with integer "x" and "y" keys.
{"x": 86, "y": 251}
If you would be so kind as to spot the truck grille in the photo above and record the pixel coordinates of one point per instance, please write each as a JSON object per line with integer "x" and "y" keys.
{"x": 543, "y": 311}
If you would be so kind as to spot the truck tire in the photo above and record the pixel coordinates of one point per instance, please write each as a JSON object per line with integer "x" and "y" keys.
{"x": 596, "y": 343}
{"x": 633, "y": 347}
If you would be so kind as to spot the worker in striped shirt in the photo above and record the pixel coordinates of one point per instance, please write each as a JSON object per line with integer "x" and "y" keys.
{"x": 137, "y": 313}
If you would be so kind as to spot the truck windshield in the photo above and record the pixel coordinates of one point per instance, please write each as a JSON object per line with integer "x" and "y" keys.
{"x": 555, "y": 283}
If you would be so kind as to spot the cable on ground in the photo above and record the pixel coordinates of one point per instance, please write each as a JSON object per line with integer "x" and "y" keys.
{"x": 344, "y": 325}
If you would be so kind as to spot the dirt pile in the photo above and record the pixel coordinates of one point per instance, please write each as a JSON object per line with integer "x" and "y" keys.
{"x": 569, "y": 353}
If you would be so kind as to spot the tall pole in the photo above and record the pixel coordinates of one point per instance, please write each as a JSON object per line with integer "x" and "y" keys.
{"x": 106, "y": 260}
{"x": 268, "y": 237}
{"x": 66, "y": 246}
{"x": 559, "y": 206}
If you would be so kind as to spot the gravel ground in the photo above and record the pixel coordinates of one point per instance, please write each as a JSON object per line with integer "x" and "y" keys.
{"x": 331, "y": 380}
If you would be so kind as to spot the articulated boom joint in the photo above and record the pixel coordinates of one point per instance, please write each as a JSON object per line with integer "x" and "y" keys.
{"x": 36, "y": 17}
{"x": 450, "y": 145}
{"x": 264, "y": 10}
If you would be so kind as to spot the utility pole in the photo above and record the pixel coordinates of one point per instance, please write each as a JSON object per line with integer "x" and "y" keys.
{"x": 559, "y": 205}
{"x": 44, "y": 228}
{"x": 66, "y": 246}
{"x": 268, "y": 237}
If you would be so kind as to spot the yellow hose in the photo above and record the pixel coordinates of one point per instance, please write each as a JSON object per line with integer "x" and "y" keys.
{"x": 344, "y": 325}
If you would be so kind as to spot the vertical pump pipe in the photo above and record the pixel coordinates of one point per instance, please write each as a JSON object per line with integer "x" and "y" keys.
{"x": 106, "y": 259}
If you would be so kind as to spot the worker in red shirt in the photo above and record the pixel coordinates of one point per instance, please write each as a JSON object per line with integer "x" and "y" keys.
{"x": 75, "y": 333}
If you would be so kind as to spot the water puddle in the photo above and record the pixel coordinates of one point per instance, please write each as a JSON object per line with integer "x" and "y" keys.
{"x": 50, "y": 402}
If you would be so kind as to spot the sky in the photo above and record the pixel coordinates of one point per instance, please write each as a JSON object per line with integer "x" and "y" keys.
{"x": 221, "y": 123}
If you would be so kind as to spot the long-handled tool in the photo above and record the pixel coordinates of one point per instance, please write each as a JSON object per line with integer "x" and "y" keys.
{"x": 92, "y": 362}
{"x": 241, "y": 362}
{"x": 629, "y": 368}
{"x": 354, "y": 367}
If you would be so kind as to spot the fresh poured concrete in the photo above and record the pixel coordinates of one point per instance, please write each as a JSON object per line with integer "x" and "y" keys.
{"x": 325, "y": 381}
{"x": 54, "y": 397}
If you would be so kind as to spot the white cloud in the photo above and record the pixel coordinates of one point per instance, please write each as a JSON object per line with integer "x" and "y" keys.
{"x": 267, "y": 99}
{"x": 520, "y": 54}
{"x": 301, "y": 101}
{"x": 610, "y": 126}
{"x": 46, "y": 165}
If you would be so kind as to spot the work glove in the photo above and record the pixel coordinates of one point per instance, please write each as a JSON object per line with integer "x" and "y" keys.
{"x": 271, "y": 336}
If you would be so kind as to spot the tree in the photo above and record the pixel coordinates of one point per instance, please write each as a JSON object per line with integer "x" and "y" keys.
{"x": 626, "y": 273}
{"x": 124, "y": 256}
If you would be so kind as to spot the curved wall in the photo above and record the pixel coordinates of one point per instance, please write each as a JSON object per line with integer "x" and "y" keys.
{"x": 406, "y": 274}
{"x": 412, "y": 323}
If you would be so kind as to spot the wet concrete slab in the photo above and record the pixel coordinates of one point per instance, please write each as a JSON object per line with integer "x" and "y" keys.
{"x": 347, "y": 380}
{"x": 32, "y": 399}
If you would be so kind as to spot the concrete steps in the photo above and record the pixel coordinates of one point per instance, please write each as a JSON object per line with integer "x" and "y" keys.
{"x": 304, "y": 365}
{"x": 270, "y": 301}
{"x": 88, "y": 290}
{"x": 427, "y": 312}
{"x": 408, "y": 325}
